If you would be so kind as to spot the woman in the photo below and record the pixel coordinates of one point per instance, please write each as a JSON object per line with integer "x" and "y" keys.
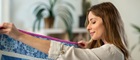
{"x": 107, "y": 37}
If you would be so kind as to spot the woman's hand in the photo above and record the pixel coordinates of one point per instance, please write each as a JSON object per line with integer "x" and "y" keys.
{"x": 83, "y": 44}
{"x": 10, "y": 30}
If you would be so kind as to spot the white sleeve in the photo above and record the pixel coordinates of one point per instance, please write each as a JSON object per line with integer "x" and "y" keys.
{"x": 54, "y": 51}
{"x": 72, "y": 53}
{"x": 59, "y": 51}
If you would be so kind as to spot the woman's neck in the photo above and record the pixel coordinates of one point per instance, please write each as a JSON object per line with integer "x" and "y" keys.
{"x": 105, "y": 42}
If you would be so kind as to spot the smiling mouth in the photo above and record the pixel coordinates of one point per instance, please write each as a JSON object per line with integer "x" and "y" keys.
{"x": 92, "y": 33}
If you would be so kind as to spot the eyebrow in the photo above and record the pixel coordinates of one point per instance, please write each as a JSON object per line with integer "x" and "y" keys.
{"x": 92, "y": 19}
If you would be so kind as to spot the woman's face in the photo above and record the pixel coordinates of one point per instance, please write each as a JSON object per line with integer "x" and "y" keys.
{"x": 95, "y": 26}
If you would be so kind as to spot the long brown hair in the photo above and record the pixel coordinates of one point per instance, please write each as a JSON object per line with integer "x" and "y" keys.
{"x": 114, "y": 28}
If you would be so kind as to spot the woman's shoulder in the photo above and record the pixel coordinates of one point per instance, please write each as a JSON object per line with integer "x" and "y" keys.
{"x": 108, "y": 51}
{"x": 111, "y": 48}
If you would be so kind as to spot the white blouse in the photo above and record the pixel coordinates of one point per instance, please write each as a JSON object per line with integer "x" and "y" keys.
{"x": 59, "y": 51}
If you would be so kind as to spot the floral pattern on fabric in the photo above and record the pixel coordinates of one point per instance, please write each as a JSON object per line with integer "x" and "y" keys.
{"x": 10, "y": 45}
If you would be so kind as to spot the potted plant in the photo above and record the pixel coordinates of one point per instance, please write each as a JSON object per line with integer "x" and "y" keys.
{"x": 138, "y": 43}
{"x": 39, "y": 10}
{"x": 63, "y": 12}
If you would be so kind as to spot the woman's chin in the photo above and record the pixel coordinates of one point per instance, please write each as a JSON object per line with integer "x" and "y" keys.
{"x": 93, "y": 38}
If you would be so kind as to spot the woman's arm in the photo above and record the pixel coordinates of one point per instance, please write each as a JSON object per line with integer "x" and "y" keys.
{"x": 10, "y": 30}
{"x": 42, "y": 45}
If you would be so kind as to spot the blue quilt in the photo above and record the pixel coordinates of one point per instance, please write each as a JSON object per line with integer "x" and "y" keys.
{"x": 10, "y": 45}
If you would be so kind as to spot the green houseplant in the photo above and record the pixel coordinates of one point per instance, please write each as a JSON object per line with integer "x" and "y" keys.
{"x": 38, "y": 12}
{"x": 63, "y": 12}
{"x": 138, "y": 43}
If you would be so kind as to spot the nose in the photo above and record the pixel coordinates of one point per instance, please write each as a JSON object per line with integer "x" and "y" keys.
{"x": 88, "y": 27}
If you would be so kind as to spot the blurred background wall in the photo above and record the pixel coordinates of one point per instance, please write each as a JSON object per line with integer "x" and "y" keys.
{"x": 0, "y": 11}
{"x": 20, "y": 13}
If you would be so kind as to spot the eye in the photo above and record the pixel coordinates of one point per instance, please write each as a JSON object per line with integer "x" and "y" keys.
{"x": 94, "y": 22}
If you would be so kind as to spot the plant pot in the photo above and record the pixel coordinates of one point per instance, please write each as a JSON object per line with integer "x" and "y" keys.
{"x": 49, "y": 22}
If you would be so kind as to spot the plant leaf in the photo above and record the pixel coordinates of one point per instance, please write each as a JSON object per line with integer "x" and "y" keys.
{"x": 64, "y": 10}
{"x": 67, "y": 19}
{"x": 68, "y": 26}
{"x": 71, "y": 6}
{"x": 52, "y": 4}
{"x": 40, "y": 5}
{"x": 136, "y": 27}
{"x": 39, "y": 9}
{"x": 39, "y": 24}
{"x": 34, "y": 24}
{"x": 133, "y": 47}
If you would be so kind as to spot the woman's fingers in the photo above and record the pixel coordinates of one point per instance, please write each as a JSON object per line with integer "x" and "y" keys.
{"x": 2, "y": 31}
{"x": 8, "y": 28}
{"x": 82, "y": 44}
{"x": 7, "y": 25}
{"x": 4, "y": 28}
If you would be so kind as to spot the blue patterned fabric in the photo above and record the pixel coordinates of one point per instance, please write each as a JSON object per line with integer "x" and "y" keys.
{"x": 4, "y": 57}
{"x": 10, "y": 45}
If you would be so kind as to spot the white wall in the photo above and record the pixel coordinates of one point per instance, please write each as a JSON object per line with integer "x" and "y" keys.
{"x": 5, "y": 10}
{"x": 0, "y": 11}
{"x": 21, "y": 13}
{"x": 130, "y": 13}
